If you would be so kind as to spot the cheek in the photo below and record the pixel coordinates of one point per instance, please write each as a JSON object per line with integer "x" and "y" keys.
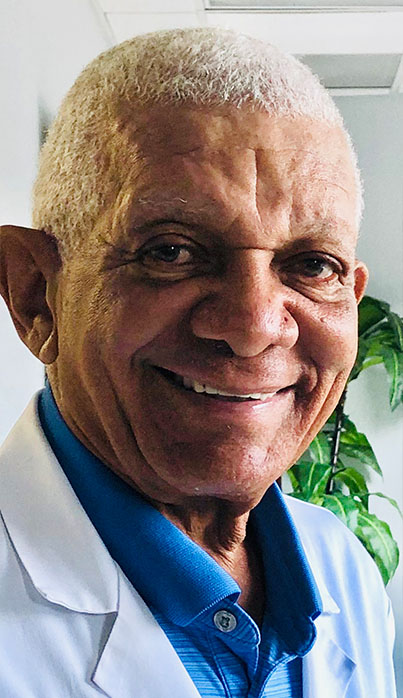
{"x": 139, "y": 314}
{"x": 330, "y": 336}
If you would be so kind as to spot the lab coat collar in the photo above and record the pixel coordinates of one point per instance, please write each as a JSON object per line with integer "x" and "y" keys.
{"x": 55, "y": 541}
{"x": 329, "y": 605}
{"x": 328, "y": 668}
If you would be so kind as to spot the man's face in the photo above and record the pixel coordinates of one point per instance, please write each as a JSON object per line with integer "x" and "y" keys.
{"x": 225, "y": 265}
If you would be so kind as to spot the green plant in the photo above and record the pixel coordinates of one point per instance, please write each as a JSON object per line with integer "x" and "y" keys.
{"x": 333, "y": 472}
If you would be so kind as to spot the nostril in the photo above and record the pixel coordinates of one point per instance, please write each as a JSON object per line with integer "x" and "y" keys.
{"x": 222, "y": 348}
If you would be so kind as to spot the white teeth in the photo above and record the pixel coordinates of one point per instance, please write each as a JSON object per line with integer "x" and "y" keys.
{"x": 200, "y": 388}
{"x": 197, "y": 387}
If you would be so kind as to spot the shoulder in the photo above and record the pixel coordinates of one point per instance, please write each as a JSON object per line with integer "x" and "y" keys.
{"x": 333, "y": 550}
{"x": 356, "y": 609}
{"x": 319, "y": 526}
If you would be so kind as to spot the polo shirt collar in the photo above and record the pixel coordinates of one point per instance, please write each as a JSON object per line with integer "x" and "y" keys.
{"x": 293, "y": 600}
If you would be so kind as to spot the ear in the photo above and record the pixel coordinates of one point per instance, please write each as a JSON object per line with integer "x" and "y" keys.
{"x": 29, "y": 265}
{"x": 361, "y": 279}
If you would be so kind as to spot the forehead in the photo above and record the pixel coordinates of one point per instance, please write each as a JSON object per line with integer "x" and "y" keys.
{"x": 225, "y": 162}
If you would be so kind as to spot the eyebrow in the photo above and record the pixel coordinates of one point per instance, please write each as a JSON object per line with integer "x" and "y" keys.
{"x": 174, "y": 206}
{"x": 152, "y": 213}
{"x": 146, "y": 227}
{"x": 314, "y": 242}
{"x": 156, "y": 213}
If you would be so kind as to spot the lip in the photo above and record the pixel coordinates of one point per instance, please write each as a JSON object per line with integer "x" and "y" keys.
{"x": 226, "y": 407}
{"x": 230, "y": 388}
{"x": 223, "y": 406}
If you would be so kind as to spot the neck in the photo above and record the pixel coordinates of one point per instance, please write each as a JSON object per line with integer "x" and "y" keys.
{"x": 224, "y": 535}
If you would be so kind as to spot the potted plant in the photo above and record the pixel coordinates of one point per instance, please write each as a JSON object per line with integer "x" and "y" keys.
{"x": 330, "y": 472}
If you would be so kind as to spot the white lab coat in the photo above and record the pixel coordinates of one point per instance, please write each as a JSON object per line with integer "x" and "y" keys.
{"x": 71, "y": 625}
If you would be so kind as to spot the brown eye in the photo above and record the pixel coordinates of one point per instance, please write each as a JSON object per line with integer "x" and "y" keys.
{"x": 315, "y": 267}
{"x": 169, "y": 254}
{"x": 173, "y": 257}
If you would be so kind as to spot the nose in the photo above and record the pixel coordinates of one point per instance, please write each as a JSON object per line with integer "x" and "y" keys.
{"x": 246, "y": 308}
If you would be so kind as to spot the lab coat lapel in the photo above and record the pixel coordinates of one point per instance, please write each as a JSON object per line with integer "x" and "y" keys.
{"x": 56, "y": 542}
{"x": 138, "y": 659}
{"x": 327, "y": 668}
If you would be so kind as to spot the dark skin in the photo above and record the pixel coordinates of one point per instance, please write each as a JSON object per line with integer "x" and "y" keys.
{"x": 228, "y": 259}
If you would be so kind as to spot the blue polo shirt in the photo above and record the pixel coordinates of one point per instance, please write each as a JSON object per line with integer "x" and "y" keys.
{"x": 193, "y": 599}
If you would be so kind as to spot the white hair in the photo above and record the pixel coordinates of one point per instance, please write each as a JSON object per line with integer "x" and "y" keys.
{"x": 206, "y": 67}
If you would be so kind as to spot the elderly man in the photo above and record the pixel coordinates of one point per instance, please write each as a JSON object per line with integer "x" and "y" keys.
{"x": 192, "y": 288}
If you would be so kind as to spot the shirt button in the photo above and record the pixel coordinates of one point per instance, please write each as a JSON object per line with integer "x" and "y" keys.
{"x": 225, "y": 621}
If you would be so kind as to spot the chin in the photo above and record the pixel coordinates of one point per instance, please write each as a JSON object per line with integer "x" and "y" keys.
{"x": 233, "y": 473}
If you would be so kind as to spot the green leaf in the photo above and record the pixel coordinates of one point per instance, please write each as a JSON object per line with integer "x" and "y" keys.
{"x": 344, "y": 506}
{"x": 312, "y": 478}
{"x": 370, "y": 348}
{"x": 375, "y": 343}
{"x": 293, "y": 480}
{"x": 391, "y": 501}
{"x": 361, "y": 355}
{"x": 374, "y": 534}
{"x": 356, "y": 445}
{"x": 364, "y": 455}
{"x": 355, "y": 482}
{"x": 340, "y": 464}
{"x": 393, "y": 361}
{"x": 373, "y": 361}
{"x": 396, "y": 323}
{"x": 348, "y": 425}
{"x": 384, "y": 334}
{"x": 320, "y": 449}
{"x": 378, "y": 540}
{"x": 370, "y": 312}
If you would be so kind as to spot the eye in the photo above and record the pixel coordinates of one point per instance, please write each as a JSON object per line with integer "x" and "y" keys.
{"x": 315, "y": 266}
{"x": 169, "y": 254}
{"x": 172, "y": 256}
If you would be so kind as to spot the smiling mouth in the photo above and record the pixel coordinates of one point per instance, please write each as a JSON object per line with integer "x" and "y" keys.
{"x": 191, "y": 385}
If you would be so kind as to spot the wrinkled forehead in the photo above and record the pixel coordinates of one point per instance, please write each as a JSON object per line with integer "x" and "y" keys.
{"x": 207, "y": 154}
{"x": 182, "y": 128}
{"x": 165, "y": 137}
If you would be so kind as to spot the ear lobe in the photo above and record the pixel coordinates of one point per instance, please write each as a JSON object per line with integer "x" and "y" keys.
{"x": 361, "y": 279}
{"x": 29, "y": 263}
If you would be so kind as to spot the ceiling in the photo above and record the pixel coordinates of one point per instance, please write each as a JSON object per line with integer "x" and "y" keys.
{"x": 299, "y": 4}
{"x": 355, "y": 46}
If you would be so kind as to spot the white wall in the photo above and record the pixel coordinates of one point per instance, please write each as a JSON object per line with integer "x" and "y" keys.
{"x": 39, "y": 60}
{"x": 376, "y": 126}
{"x": 43, "y": 47}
